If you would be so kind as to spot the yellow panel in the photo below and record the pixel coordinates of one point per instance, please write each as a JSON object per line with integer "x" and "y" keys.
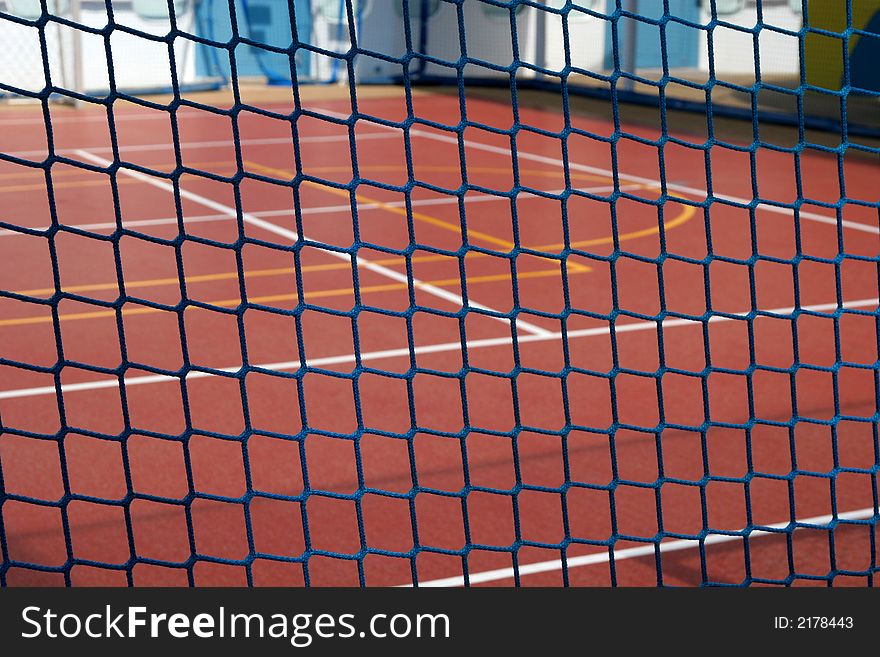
{"x": 824, "y": 54}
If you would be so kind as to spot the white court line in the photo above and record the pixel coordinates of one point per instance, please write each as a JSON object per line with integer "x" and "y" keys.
{"x": 291, "y": 235}
{"x": 695, "y": 191}
{"x": 820, "y": 522}
{"x": 533, "y": 568}
{"x": 98, "y": 117}
{"x": 446, "y": 200}
{"x": 219, "y": 143}
{"x": 805, "y": 214}
{"x": 422, "y": 349}
{"x": 90, "y": 118}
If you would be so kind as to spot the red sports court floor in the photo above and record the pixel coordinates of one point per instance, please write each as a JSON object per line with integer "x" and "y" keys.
{"x": 751, "y": 472}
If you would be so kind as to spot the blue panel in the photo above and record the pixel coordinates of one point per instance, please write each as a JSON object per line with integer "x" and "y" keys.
{"x": 266, "y": 21}
{"x": 863, "y": 69}
{"x": 682, "y": 42}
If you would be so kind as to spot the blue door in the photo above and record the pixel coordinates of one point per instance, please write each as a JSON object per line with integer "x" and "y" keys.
{"x": 864, "y": 57}
{"x": 682, "y": 42}
{"x": 265, "y": 21}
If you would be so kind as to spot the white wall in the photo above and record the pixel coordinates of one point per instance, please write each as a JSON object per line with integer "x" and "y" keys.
{"x": 734, "y": 51}
{"x": 138, "y": 63}
{"x": 586, "y": 41}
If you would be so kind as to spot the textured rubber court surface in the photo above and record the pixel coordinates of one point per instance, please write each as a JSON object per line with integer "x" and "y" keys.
{"x": 337, "y": 504}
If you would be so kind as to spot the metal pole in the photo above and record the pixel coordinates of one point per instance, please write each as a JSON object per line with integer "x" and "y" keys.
{"x": 541, "y": 37}
{"x": 630, "y": 45}
{"x": 76, "y": 51}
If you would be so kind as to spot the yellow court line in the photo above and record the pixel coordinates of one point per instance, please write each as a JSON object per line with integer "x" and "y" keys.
{"x": 687, "y": 213}
{"x": 248, "y": 273}
{"x": 318, "y": 294}
{"x": 685, "y": 216}
{"x": 362, "y": 198}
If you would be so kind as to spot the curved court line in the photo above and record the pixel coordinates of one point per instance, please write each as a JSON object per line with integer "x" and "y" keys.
{"x": 369, "y": 204}
{"x": 358, "y": 197}
{"x": 686, "y": 214}
{"x": 280, "y": 271}
{"x": 682, "y": 189}
{"x": 405, "y": 352}
{"x": 290, "y": 296}
{"x": 248, "y": 273}
{"x": 586, "y": 168}
{"x": 270, "y": 227}
{"x": 825, "y": 522}
{"x": 394, "y": 206}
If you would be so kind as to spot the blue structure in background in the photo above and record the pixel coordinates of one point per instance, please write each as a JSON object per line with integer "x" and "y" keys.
{"x": 682, "y": 42}
{"x": 265, "y": 21}
{"x": 865, "y": 57}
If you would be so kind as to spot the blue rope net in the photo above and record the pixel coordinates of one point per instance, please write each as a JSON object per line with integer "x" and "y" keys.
{"x": 607, "y": 495}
